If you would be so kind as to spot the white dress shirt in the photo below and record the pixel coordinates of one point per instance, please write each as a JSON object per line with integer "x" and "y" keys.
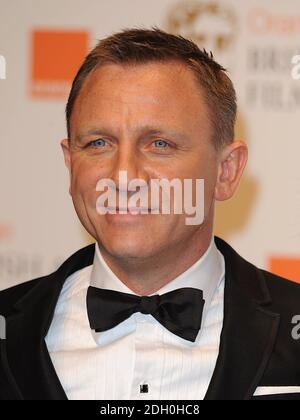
{"x": 115, "y": 364}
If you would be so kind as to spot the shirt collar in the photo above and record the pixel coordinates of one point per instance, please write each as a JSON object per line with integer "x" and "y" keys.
{"x": 205, "y": 274}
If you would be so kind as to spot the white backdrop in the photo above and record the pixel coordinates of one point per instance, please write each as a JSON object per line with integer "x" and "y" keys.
{"x": 254, "y": 39}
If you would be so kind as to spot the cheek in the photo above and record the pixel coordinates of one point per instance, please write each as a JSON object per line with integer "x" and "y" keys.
{"x": 85, "y": 176}
{"x": 208, "y": 171}
{"x": 210, "y": 180}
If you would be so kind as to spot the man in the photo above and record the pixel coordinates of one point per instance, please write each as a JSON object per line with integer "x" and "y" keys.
{"x": 158, "y": 308}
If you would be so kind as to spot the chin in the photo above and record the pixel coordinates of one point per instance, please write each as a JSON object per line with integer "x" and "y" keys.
{"x": 127, "y": 247}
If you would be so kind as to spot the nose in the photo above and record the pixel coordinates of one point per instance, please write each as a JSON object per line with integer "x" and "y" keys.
{"x": 129, "y": 160}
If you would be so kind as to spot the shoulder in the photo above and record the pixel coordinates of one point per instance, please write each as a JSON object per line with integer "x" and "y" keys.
{"x": 9, "y": 297}
{"x": 283, "y": 366}
{"x": 78, "y": 261}
{"x": 284, "y": 293}
{"x": 259, "y": 284}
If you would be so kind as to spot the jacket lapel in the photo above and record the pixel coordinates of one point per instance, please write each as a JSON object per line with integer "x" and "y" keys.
{"x": 26, "y": 351}
{"x": 248, "y": 335}
{"x": 249, "y": 330}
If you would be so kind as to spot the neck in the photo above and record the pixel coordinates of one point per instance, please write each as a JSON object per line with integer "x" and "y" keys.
{"x": 145, "y": 276}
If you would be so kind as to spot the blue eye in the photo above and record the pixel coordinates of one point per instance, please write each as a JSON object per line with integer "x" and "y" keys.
{"x": 161, "y": 144}
{"x": 97, "y": 143}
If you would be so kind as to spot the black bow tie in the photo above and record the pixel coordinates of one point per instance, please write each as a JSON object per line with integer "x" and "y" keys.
{"x": 179, "y": 311}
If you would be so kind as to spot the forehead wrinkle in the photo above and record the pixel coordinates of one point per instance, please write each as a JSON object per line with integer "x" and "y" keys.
{"x": 95, "y": 86}
{"x": 123, "y": 108}
{"x": 138, "y": 132}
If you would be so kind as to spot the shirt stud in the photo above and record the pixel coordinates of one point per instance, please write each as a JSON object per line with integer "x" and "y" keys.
{"x": 144, "y": 389}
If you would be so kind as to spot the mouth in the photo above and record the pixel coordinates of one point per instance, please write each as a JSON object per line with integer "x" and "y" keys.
{"x": 131, "y": 210}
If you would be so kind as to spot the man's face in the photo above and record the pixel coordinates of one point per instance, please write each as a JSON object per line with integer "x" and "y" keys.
{"x": 151, "y": 121}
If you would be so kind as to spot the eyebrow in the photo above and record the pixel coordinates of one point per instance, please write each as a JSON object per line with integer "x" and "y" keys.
{"x": 142, "y": 130}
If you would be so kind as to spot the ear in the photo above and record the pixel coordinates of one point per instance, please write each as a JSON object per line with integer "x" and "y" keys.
{"x": 65, "y": 145}
{"x": 232, "y": 162}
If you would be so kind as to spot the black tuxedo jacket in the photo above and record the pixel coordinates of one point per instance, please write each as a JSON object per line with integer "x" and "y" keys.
{"x": 257, "y": 348}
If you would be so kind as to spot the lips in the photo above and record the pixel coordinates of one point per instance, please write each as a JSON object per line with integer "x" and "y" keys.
{"x": 131, "y": 209}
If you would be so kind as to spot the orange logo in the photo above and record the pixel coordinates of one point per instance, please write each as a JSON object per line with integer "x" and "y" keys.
{"x": 56, "y": 57}
{"x": 5, "y": 232}
{"x": 286, "y": 267}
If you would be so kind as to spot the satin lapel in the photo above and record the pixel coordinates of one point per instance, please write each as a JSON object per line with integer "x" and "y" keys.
{"x": 27, "y": 353}
{"x": 249, "y": 331}
{"x": 248, "y": 335}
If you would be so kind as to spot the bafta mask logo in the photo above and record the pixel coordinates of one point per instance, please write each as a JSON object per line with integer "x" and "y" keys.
{"x": 209, "y": 24}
